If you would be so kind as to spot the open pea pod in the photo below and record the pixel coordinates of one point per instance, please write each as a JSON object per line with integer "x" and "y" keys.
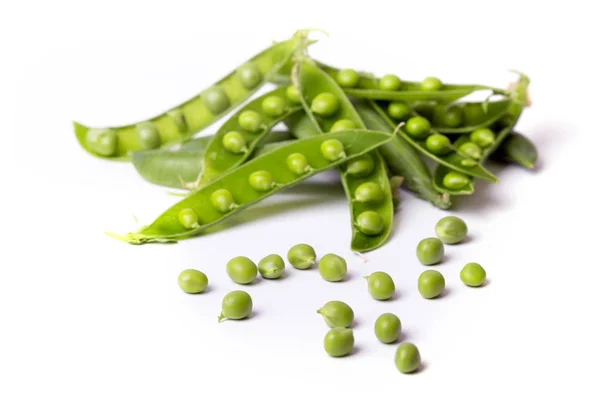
{"x": 253, "y": 181}
{"x": 181, "y": 122}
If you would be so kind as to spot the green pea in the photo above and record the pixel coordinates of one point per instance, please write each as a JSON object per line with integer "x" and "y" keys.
{"x": 192, "y": 281}
{"x": 293, "y": 94}
{"x": 339, "y": 342}
{"x": 234, "y": 142}
{"x": 473, "y": 274}
{"x": 178, "y": 119}
{"x": 471, "y": 150}
{"x": 370, "y": 223}
{"x": 347, "y": 78}
{"x": 455, "y": 180}
{"x": 431, "y": 84}
{"x": 430, "y": 251}
{"x": 387, "y": 328}
{"x": 188, "y": 218}
{"x": 389, "y": 82}
{"x": 361, "y": 166}
{"x": 325, "y": 104}
{"x": 215, "y": 100}
{"x": 473, "y": 113}
{"x": 483, "y": 137}
{"x": 337, "y": 314}
{"x": 332, "y": 149}
{"x": 369, "y": 192}
{"x": 271, "y": 266}
{"x": 418, "y": 127}
{"x": 407, "y": 358}
{"x": 261, "y": 181}
{"x": 399, "y": 111}
{"x": 249, "y": 74}
{"x": 102, "y": 141}
{"x": 450, "y": 117}
{"x": 468, "y": 163}
{"x": 250, "y": 121}
{"x": 431, "y": 284}
{"x": 236, "y": 305}
{"x": 273, "y": 106}
{"x": 301, "y": 256}
{"x": 451, "y": 230}
{"x": 241, "y": 270}
{"x": 332, "y": 267}
{"x": 343, "y": 125}
{"x": 438, "y": 144}
{"x": 297, "y": 163}
{"x": 222, "y": 200}
{"x": 381, "y": 286}
{"x": 147, "y": 135}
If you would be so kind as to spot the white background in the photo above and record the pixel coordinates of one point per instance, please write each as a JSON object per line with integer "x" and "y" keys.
{"x": 83, "y": 316}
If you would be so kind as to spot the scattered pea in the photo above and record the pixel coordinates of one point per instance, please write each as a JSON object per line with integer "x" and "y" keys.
{"x": 387, "y": 328}
{"x": 215, "y": 100}
{"x": 431, "y": 83}
{"x": 147, "y": 135}
{"x": 390, "y": 82}
{"x": 370, "y": 223}
{"x": 408, "y": 358}
{"x": 471, "y": 150}
{"x": 261, "y": 181}
{"x": 325, "y": 104}
{"x": 342, "y": 125}
{"x": 399, "y": 111}
{"x": 431, "y": 284}
{"x": 271, "y": 266}
{"x": 249, "y": 75}
{"x": 451, "y": 230}
{"x": 339, "y": 342}
{"x": 337, "y": 314}
{"x": 430, "y": 251}
{"x": 297, "y": 163}
{"x": 332, "y": 149}
{"x": 250, "y": 121}
{"x": 483, "y": 137}
{"x": 192, "y": 281}
{"x": 473, "y": 274}
{"x": 241, "y": 270}
{"x": 455, "y": 180}
{"x": 347, "y": 78}
{"x": 273, "y": 106}
{"x": 369, "y": 192}
{"x": 418, "y": 127}
{"x": 102, "y": 141}
{"x": 381, "y": 286}
{"x": 332, "y": 267}
{"x": 188, "y": 218}
{"x": 236, "y": 305}
{"x": 293, "y": 94}
{"x": 234, "y": 142}
{"x": 222, "y": 200}
{"x": 301, "y": 256}
{"x": 438, "y": 144}
{"x": 360, "y": 166}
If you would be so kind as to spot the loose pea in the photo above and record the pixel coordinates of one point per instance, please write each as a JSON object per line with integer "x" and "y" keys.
{"x": 438, "y": 144}
{"x": 451, "y": 230}
{"x": 431, "y": 284}
{"x": 369, "y": 192}
{"x": 381, "y": 286}
{"x": 455, "y": 180}
{"x": 261, "y": 181}
{"x": 271, "y": 266}
{"x": 332, "y": 267}
{"x": 293, "y": 94}
{"x": 325, "y": 104}
{"x": 242, "y": 270}
{"x": 222, "y": 200}
{"x": 297, "y": 163}
{"x": 408, "y": 358}
{"x": 102, "y": 141}
{"x": 332, "y": 149}
{"x": 370, "y": 223}
{"x": 430, "y": 251}
{"x": 337, "y": 314}
{"x": 450, "y": 117}
{"x": 347, "y": 78}
{"x": 483, "y": 137}
{"x": 390, "y": 82}
{"x": 301, "y": 256}
{"x": 147, "y": 135}
{"x": 399, "y": 111}
{"x": 471, "y": 150}
{"x": 418, "y": 126}
{"x": 360, "y": 166}
{"x": 387, "y": 328}
{"x": 339, "y": 342}
{"x": 249, "y": 74}
{"x": 236, "y": 305}
{"x": 250, "y": 121}
{"x": 431, "y": 83}
{"x": 192, "y": 281}
{"x": 188, "y": 218}
{"x": 342, "y": 125}
{"x": 273, "y": 106}
{"x": 473, "y": 274}
{"x": 234, "y": 142}
{"x": 216, "y": 100}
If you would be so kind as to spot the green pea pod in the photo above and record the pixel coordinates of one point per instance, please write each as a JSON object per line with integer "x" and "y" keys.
{"x": 236, "y": 182}
{"x": 301, "y": 126}
{"x": 198, "y": 144}
{"x": 181, "y": 122}
{"x": 517, "y": 149}
{"x": 270, "y": 147}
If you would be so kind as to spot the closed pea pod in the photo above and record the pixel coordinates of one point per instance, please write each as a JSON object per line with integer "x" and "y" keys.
{"x": 518, "y": 149}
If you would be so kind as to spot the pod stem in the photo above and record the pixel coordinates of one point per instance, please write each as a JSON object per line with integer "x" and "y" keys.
{"x": 221, "y": 317}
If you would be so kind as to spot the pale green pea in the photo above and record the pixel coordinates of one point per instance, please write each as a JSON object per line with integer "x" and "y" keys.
{"x": 102, "y": 141}
{"x": 222, "y": 200}
{"x": 399, "y": 111}
{"x": 438, "y": 144}
{"x": 337, "y": 314}
{"x": 241, "y": 270}
{"x": 431, "y": 83}
{"x": 347, "y": 78}
{"x": 234, "y": 142}
{"x": 407, "y": 358}
{"x": 250, "y": 121}
{"x": 455, "y": 180}
{"x": 430, "y": 251}
{"x": 418, "y": 127}
{"x": 147, "y": 135}
{"x": 192, "y": 281}
{"x": 293, "y": 94}
{"x": 369, "y": 192}
{"x": 325, "y": 104}
{"x": 332, "y": 149}
{"x": 188, "y": 218}
{"x": 387, "y": 328}
{"x": 361, "y": 166}
{"x": 261, "y": 181}
{"x": 473, "y": 274}
{"x": 483, "y": 137}
{"x": 302, "y": 256}
{"x": 339, "y": 342}
{"x": 343, "y": 125}
{"x": 273, "y": 106}
{"x": 215, "y": 100}
{"x": 236, "y": 305}
{"x": 380, "y": 285}
{"x": 178, "y": 119}
{"x": 451, "y": 230}
{"x": 431, "y": 284}
{"x": 370, "y": 223}
{"x": 471, "y": 150}
{"x": 297, "y": 163}
{"x": 249, "y": 75}
{"x": 332, "y": 267}
{"x": 389, "y": 82}
{"x": 271, "y": 266}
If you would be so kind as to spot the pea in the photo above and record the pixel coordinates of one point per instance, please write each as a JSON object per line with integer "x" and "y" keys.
{"x": 178, "y": 119}
{"x": 408, "y": 358}
{"x": 102, "y": 141}
{"x": 342, "y": 125}
{"x": 249, "y": 75}
{"x": 370, "y": 223}
{"x": 242, "y": 270}
{"x": 431, "y": 284}
{"x": 271, "y": 266}
{"x": 473, "y": 274}
{"x": 332, "y": 267}
{"x": 339, "y": 342}
{"x": 261, "y": 181}
{"x": 389, "y": 82}
{"x": 455, "y": 180}
{"x": 399, "y": 111}
{"x": 361, "y": 166}
{"x": 438, "y": 144}
{"x": 483, "y": 137}
{"x": 431, "y": 84}
{"x": 325, "y": 104}
{"x": 473, "y": 113}
{"x": 471, "y": 150}
{"x": 297, "y": 163}
{"x": 450, "y": 117}
{"x": 222, "y": 200}
{"x": 337, "y": 314}
{"x": 387, "y": 328}
{"x": 347, "y": 78}
{"x": 430, "y": 251}
{"x": 451, "y": 230}
{"x": 332, "y": 149}
{"x": 215, "y": 100}
{"x": 192, "y": 281}
{"x": 273, "y": 106}
{"x": 147, "y": 135}
{"x": 301, "y": 256}
{"x": 250, "y": 121}
{"x": 236, "y": 305}
{"x": 369, "y": 192}
{"x": 380, "y": 285}
{"x": 188, "y": 218}
{"x": 418, "y": 127}
{"x": 293, "y": 94}
{"x": 234, "y": 142}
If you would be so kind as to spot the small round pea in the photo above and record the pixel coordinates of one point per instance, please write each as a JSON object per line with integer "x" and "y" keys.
{"x": 473, "y": 113}
{"x": 450, "y": 117}
{"x": 339, "y": 342}
{"x": 370, "y": 223}
{"x": 236, "y": 305}
{"x": 271, "y": 266}
{"x": 102, "y": 141}
{"x": 337, "y": 314}
{"x": 301, "y": 256}
{"x": 178, "y": 119}
{"x": 369, "y": 192}
{"x": 332, "y": 267}
{"x": 250, "y": 121}
{"x": 471, "y": 150}
{"x": 249, "y": 75}
{"x": 297, "y": 163}
{"x": 389, "y": 82}
{"x": 261, "y": 181}
{"x": 188, "y": 218}
{"x": 431, "y": 83}
{"x": 241, "y": 270}
{"x": 387, "y": 328}
{"x": 455, "y": 180}
{"x": 347, "y": 78}
{"x": 399, "y": 111}
{"x": 407, "y": 358}
{"x": 431, "y": 284}
{"x": 438, "y": 144}
{"x": 192, "y": 281}
{"x": 293, "y": 94}
{"x": 342, "y": 125}
{"x": 380, "y": 285}
{"x": 451, "y": 230}
{"x": 325, "y": 104}
{"x": 473, "y": 274}
{"x": 222, "y": 200}
{"x": 483, "y": 137}
{"x": 418, "y": 127}
{"x": 332, "y": 149}
{"x": 147, "y": 135}
{"x": 234, "y": 142}
{"x": 430, "y": 251}
{"x": 215, "y": 100}
{"x": 361, "y": 166}
{"x": 273, "y": 106}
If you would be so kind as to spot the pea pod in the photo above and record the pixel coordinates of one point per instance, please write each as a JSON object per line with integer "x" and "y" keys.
{"x": 518, "y": 149}
{"x": 181, "y": 122}
{"x": 251, "y": 182}
{"x": 301, "y": 126}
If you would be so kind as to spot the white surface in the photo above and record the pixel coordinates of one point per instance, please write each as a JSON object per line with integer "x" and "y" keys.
{"x": 84, "y": 316}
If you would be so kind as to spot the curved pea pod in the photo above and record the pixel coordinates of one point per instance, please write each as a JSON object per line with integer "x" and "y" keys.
{"x": 517, "y": 149}
{"x": 182, "y": 121}
{"x": 200, "y": 202}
